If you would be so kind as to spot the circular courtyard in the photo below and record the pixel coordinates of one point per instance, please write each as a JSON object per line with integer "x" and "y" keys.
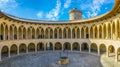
{"x": 49, "y": 59}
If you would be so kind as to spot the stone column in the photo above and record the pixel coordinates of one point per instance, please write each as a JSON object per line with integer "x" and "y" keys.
{"x": 84, "y": 33}
{"x": 62, "y": 34}
{"x": 89, "y": 32}
{"x": 76, "y": 33}
{"x": 4, "y": 33}
{"x": 9, "y": 53}
{"x": 111, "y": 32}
{"x": 80, "y": 48}
{"x": 93, "y": 32}
{"x": 80, "y": 33}
{"x": 36, "y": 34}
{"x": 8, "y": 33}
{"x": 71, "y": 47}
{"x": 18, "y": 51}
{"x": 13, "y": 33}
{"x": 0, "y": 55}
{"x": 62, "y": 47}
{"x": 106, "y": 31}
{"x": 107, "y": 51}
{"x": 71, "y": 35}
{"x": 26, "y": 33}
{"x": 22, "y": 33}
{"x": 67, "y": 34}
{"x": 116, "y": 56}
{"x": 98, "y": 50}
{"x": 35, "y": 48}
{"x": 103, "y": 33}
{"x": 53, "y": 47}
{"x": 116, "y": 30}
{"x": 53, "y": 34}
{"x": 44, "y": 46}
{"x": 98, "y": 33}
{"x": 27, "y": 49}
{"x": 17, "y": 33}
{"x": 89, "y": 49}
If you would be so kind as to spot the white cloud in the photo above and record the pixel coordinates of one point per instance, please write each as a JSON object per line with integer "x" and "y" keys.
{"x": 67, "y": 3}
{"x": 40, "y": 14}
{"x": 8, "y": 4}
{"x": 94, "y": 7}
{"x": 54, "y": 13}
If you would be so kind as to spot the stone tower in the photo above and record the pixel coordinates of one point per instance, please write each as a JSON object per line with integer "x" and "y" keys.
{"x": 75, "y": 14}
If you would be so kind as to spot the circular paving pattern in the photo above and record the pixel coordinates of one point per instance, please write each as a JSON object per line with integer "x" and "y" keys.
{"x": 49, "y": 59}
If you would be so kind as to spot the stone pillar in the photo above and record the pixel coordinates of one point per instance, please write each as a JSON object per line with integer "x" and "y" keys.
{"x": 17, "y": 34}
{"x": 98, "y": 50}
{"x": 13, "y": 33}
{"x": 89, "y": 49}
{"x": 22, "y": 33}
{"x": 116, "y": 30}
{"x": 53, "y": 34}
{"x": 27, "y": 49}
{"x": 4, "y": 33}
{"x": 116, "y": 56}
{"x": 9, "y": 53}
{"x": 106, "y": 31}
{"x": 80, "y": 48}
{"x": 93, "y": 32}
{"x": 8, "y": 33}
{"x": 18, "y": 51}
{"x": 111, "y": 32}
{"x": 31, "y": 32}
{"x": 62, "y": 34}
{"x": 107, "y": 52}
{"x": 62, "y": 47}
{"x": 35, "y": 48}
{"x": 103, "y": 33}
{"x": 0, "y": 55}
{"x": 71, "y": 47}
{"x": 98, "y": 33}
{"x": 71, "y": 35}
{"x": 35, "y": 34}
{"x": 67, "y": 34}
{"x": 53, "y": 47}
{"x": 80, "y": 33}
{"x": 27, "y": 34}
{"x": 44, "y": 46}
{"x": 76, "y": 33}
{"x": 89, "y": 32}
{"x": 84, "y": 33}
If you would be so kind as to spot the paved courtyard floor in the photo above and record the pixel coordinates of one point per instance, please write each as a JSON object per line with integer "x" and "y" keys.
{"x": 49, "y": 59}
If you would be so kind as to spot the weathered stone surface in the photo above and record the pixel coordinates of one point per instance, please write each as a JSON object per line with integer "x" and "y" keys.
{"x": 49, "y": 59}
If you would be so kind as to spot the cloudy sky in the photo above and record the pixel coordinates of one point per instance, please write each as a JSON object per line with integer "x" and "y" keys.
{"x": 54, "y": 9}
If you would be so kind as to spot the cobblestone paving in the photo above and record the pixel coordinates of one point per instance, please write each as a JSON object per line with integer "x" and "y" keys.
{"x": 49, "y": 59}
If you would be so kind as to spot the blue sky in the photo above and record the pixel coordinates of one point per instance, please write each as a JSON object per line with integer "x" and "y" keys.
{"x": 54, "y": 9}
